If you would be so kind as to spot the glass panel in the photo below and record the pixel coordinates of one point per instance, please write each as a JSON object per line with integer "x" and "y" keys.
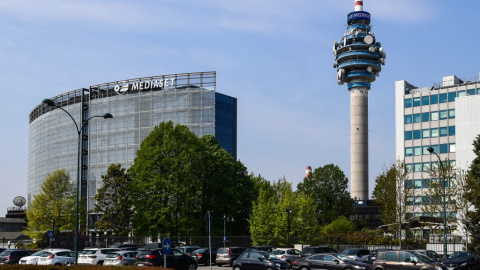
{"x": 451, "y": 130}
{"x": 409, "y": 167}
{"x": 451, "y": 113}
{"x": 418, "y": 183}
{"x": 424, "y": 150}
{"x": 417, "y": 167}
{"x": 425, "y": 117}
{"x": 408, "y": 102}
{"x": 442, "y": 97}
{"x": 433, "y": 116}
{"x": 408, "y": 119}
{"x": 408, "y": 151}
{"x": 425, "y": 133}
{"x": 443, "y": 131}
{"x": 416, "y": 118}
{"x": 416, "y": 102}
{"x": 417, "y": 134}
{"x": 425, "y": 100}
{"x": 433, "y": 99}
{"x": 408, "y": 135}
{"x": 426, "y": 183}
{"x": 452, "y": 96}
{"x": 443, "y": 148}
{"x": 408, "y": 184}
{"x": 434, "y": 132}
{"x": 443, "y": 114}
{"x": 461, "y": 93}
{"x": 471, "y": 92}
{"x": 426, "y": 166}
{"x": 452, "y": 148}
{"x": 417, "y": 150}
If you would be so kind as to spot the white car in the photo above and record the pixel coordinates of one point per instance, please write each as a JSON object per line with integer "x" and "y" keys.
{"x": 32, "y": 259}
{"x": 57, "y": 257}
{"x": 95, "y": 255}
{"x": 123, "y": 257}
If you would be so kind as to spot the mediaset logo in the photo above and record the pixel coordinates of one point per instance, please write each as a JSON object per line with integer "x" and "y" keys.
{"x": 123, "y": 86}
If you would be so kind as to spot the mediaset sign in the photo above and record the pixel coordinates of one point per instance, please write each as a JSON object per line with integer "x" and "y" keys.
{"x": 123, "y": 87}
{"x": 358, "y": 15}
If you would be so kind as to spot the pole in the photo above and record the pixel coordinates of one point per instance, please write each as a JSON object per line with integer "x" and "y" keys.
{"x": 224, "y": 234}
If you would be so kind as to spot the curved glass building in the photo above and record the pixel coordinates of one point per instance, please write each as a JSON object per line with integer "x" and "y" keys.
{"x": 137, "y": 105}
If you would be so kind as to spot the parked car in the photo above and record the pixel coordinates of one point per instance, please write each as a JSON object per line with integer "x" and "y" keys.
{"x": 404, "y": 259}
{"x": 13, "y": 256}
{"x": 32, "y": 259}
{"x": 124, "y": 257}
{"x": 57, "y": 257}
{"x": 131, "y": 247}
{"x": 203, "y": 255}
{"x": 94, "y": 255}
{"x": 266, "y": 248}
{"x": 462, "y": 260}
{"x": 228, "y": 255}
{"x": 287, "y": 254}
{"x": 329, "y": 262}
{"x": 175, "y": 259}
{"x": 309, "y": 251}
{"x": 430, "y": 253}
{"x": 357, "y": 254}
{"x": 187, "y": 249}
{"x": 259, "y": 260}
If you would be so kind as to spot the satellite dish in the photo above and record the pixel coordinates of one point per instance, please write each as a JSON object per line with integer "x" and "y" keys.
{"x": 368, "y": 39}
{"x": 19, "y": 201}
{"x": 369, "y": 69}
{"x": 371, "y": 49}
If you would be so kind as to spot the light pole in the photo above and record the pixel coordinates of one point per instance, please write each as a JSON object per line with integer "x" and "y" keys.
{"x": 430, "y": 150}
{"x": 225, "y": 219}
{"x": 51, "y": 103}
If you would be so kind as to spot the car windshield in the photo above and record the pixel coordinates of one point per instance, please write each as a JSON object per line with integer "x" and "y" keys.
{"x": 422, "y": 257}
{"x": 113, "y": 255}
{"x": 344, "y": 258}
{"x": 270, "y": 256}
{"x": 45, "y": 254}
{"x": 459, "y": 255}
{"x": 278, "y": 252}
{"x": 5, "y": 253}
{"x": 89, "y": 251}
{"x": 38, "y": 253}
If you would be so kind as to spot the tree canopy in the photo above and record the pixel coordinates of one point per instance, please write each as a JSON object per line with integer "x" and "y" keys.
{"x": 473, "y": 195}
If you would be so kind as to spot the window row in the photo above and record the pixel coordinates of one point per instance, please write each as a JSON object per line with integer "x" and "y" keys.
{"x": 426, "y": 166}
{"x": 428, "y": 183}
{"x": 423, "y": 150}
{"x": 438, "y": 98}
{"x": 429, "y": 133}
{"x": 429, "y": 116}
{"x": 428, "y": 200}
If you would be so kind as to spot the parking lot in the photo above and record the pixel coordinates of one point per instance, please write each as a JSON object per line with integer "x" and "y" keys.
{"x": 215, "y": 267}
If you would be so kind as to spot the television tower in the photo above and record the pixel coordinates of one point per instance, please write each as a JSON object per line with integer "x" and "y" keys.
{"x": 358, "y": 60}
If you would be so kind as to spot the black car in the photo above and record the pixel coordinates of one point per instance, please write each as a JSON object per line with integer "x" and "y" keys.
{"x": 404, "y": 259}
{"x": 203, "y": 255}
{"x": 175, "y": 259}
{"x": 13, "y": 256}
{"x": 259, "y": 260}
{"x": 329, "y": 262}
{"x": 309, "y": 251}
{"x": 462, "y": 260}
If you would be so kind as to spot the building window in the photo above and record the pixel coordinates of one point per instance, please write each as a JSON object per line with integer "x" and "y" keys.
{"x": 435, "y": 148}
{"x": 433, "y": 99}
{"x": 425, "y": 150}
{"x": 451, "y": 130}
{"x": 452, "y": 148}
{"x": 471, "y": 92}
{"x": 443, "y": 148}
{"x": 451, "y": 113}
{"x": 433, "y": 116}
{"x": 425, "y": 117}
{"x": 418, "y": 200}
{"x": 417, "y": 150}
{"x": 417, "y": 134}
{"x": 461, "y": 93}
{"x": 426, "y": 183}
{"x": 452, "y": 96}
{"x": 443, "y": 114}
{"x": 408, "y": 102}
{"x": 443, "y": 131}
{"x": 434, "y": 132}
{"x": 442, "y": 97}
{"x": 426, "y": 133}
{"x": 416, "y": 102}
{"x": 417, "y": 183}
{"x": 425, "y": 100}
{"x": 408, "y": 119}
{"x": 426, "y": 166}
{"x": 408, "y": 135}
{"x": 417, "y": 167}
{"x": 408, "y": 151}
{"x": 409, "y": 167}
{"x": 417, "y": 118}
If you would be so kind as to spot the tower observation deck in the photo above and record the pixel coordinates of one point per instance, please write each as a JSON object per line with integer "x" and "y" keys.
{"x": 358, "y": 60}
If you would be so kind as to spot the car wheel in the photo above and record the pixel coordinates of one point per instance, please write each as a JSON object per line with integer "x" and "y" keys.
{"x": 268, "y": 268}
{"x": 192, "y": 267}
{"x": 100, "y": 263}
{"x": 304, "y": 268}
{"x": 236, "y": 268}
{"x": 58, "y": 264}
{"x": 219, "y": 264}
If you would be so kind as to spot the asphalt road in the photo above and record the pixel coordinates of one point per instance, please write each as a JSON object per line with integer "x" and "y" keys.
{"x": 214, "y": 267}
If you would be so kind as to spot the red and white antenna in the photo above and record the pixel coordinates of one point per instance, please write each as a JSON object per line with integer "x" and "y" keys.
{"x": 358, "y": 5}
{"x": 308, "y": 171}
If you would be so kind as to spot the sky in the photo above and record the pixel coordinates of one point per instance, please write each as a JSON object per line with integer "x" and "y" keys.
{"x": 274, "y": 56}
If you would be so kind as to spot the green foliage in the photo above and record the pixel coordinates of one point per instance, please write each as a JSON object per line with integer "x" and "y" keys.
{"x": 340, "y": 226}
{"x": 113, "y": 202}
{"x": 327, "y": 186}
{"x": 56, "y": 201}
{"x": 473, "y": 196}
{"x": 177, "y": 177}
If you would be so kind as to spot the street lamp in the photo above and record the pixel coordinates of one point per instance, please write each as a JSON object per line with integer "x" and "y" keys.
{"x": 289, "y": 212}
{"x": 51, "y": 103}
{"x": 430, "y": 150}
{"x": 225, "y": 219}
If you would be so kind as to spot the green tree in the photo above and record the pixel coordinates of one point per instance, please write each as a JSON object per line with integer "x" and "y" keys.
{"x": 473, "y": 195}
{"x": 327, "y": 186}
{"x": 393, "y": 194}
{"x": 56, "y": 201}
{"x": 340, "y": 226}
{"x": 113, "y": 202}
{"x": 177, "y": 177}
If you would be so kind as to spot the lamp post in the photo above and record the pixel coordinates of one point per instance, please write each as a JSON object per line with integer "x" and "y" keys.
{"x": 225, "y": 219}
{"x": 289, "y": 212}
{"x": 51, "y": 103}
{"x": 431, "y": 150}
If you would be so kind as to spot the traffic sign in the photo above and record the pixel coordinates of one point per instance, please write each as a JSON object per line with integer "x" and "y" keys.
{"x": 50, "y": 234}
{"x": 166, "y": 245}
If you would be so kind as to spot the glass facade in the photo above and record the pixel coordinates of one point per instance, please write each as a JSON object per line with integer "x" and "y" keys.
{"x": 189, "y": 99}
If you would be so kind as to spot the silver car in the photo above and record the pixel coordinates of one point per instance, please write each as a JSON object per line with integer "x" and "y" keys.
{"x": 120, "y": 258}
{"x": 287, "y": 254}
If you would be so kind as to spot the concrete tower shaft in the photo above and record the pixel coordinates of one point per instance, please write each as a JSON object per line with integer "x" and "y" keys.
{"x": 358, "y": 60}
